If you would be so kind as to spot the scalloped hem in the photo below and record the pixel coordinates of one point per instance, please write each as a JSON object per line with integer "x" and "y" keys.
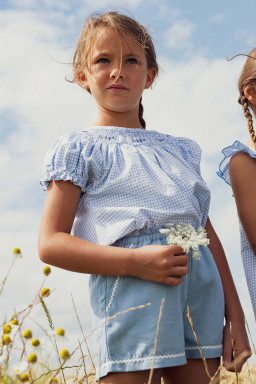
{"x": 228, "y": 152}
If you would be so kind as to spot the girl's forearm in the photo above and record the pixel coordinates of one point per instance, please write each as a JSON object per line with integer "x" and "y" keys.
{"x": 74, "y": 254}
{"x": 232, "y": 303}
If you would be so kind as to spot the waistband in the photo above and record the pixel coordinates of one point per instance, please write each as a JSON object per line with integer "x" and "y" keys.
{"x": 143, "y": 235}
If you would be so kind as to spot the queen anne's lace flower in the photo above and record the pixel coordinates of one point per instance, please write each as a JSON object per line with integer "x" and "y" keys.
{"x": 187, "y": 237}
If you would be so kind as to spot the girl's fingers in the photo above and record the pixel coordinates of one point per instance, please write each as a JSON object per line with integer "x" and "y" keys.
{"x": 227, "y": 350}
{"x": 177, "y": 250}
{"x": 181, "y": 260}
{"x": 179, "y": 271}
{"x": 237, "y": 364}
{"x": 173, "y": 280}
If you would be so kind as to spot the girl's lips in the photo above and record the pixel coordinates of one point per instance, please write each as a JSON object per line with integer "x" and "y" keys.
{"x": 117, "y": 88}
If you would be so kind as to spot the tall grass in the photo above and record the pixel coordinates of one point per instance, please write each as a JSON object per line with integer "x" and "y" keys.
{"x": 26, "y": 358}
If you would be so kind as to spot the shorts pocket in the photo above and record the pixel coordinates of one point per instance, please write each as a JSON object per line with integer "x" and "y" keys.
{"x": 111, "y": 290}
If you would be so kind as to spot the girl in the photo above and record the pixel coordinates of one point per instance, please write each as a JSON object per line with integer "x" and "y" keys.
{"x": 111, "y": 188}
{"x": 238, "y": 168}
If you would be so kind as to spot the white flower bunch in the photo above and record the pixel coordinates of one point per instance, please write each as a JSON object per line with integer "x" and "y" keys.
{"x": 187, "y": 237}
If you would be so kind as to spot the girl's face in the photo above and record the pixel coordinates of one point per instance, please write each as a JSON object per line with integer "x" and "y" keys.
{"x": 118, "y": 72}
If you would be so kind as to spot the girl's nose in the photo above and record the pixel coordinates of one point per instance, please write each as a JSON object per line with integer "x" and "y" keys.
{"x": 117, "y": 73}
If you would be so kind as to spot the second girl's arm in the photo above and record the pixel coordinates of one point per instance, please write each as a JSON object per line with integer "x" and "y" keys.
{"x": 57, "y": 247}
{"x": 233, "y": 310}
{"x": 242, "y": 171}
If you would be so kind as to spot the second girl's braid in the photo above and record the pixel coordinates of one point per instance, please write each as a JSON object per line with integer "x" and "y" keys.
{"x": 244, "y": 102}
{"x": 141, "y": 109}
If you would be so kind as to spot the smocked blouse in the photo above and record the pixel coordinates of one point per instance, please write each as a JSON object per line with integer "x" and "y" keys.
{"x": 130, "y": 179}
{"x": 248, "y": 257}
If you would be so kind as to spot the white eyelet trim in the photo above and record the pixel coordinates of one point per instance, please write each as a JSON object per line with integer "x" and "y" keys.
{"x": 139, "y": 359}
{"x": 204, "y": 347}
{"x": 113, "y": 293}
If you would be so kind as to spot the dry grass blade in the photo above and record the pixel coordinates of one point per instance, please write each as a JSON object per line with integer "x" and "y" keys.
{"x": 49, "y": 318}
{"x": 200, "y": 349}
{"x": 234, "y": 353}
{"x": 239, "y": 359}
{"x": 156, "y": 339}
{"x": 85, "y": 373}
{"x": 216, "y": 377}
{"x": 118, "y": 314}
{"x": 5, "y": 278}
{"x": 82, "y": 332}
{"x": 249, "y": 372}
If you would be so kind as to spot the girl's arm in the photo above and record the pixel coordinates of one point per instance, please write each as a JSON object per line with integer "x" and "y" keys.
{"x": 233, "y": 310}
{"x": 242, "y": 171}
{"x": 57, "y": 247}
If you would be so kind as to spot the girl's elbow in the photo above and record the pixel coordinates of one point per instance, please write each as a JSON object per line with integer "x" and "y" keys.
{"x": 44, "y": 252}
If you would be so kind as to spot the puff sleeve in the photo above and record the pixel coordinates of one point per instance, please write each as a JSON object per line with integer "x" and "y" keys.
{"x": 228, "y": 152}
{"x": 191, "y": 153}
{"x": 68, "y": 159}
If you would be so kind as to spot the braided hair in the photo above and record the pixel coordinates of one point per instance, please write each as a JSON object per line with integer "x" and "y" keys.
{"x": 248, "y": 76}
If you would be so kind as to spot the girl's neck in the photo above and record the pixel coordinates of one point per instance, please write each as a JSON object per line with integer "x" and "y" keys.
{"x": 114, "y": 119}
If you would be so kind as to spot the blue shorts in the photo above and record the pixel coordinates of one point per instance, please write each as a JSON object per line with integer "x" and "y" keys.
{"x": 126, "y": 342}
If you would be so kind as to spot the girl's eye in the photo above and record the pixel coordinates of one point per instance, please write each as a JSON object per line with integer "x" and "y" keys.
{"x": 103, "y": 60}
{"x": 132, "y": 60}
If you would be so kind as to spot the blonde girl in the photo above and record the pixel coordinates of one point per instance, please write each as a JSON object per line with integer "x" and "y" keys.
{"x": 111, "y": 187}
{"x": 238, "y": 168}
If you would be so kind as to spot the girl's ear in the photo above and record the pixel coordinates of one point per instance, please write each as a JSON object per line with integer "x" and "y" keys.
{"x": 83, "y": 80}
{"x": 150, "y": 77}
{"x": 250, "y": 93}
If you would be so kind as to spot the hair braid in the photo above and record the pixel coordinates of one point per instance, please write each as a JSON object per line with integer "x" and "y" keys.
{"x": 244, "y": 102}
{"x": 141, "y": 109}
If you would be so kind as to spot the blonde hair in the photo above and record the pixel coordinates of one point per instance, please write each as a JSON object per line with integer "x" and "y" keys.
{"x": 124, "y": 26}
{"x": 247, "y": 76}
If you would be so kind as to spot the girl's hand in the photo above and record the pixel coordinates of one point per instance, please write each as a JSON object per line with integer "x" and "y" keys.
{"x": 235, "y": 356}
{"x": 160, "y": 263}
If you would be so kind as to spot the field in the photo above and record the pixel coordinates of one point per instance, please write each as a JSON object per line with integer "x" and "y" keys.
{"x": 25, "y": 357}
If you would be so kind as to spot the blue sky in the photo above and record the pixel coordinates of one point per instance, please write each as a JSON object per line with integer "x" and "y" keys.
{"x": 194, "y": 96}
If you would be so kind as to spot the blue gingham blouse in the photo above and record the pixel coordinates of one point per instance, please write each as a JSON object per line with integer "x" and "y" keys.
{"x": 248, "y": 257}
{"x": 130, "y": 179}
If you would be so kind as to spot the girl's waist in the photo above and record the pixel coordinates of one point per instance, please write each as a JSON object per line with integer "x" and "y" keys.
{"x": 147, "y": 235}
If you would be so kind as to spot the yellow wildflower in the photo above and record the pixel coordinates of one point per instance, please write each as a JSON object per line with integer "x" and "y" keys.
{"x": 24, "y": 377}
{"x": 17, "y": 252}
{"x": 64, "y": 354}
{"x": 14, "y": 322}
{"x": 7, "y": 329}
{"x": 45, "y": 292}
{"x": 27, "y": 334}
{"x": 6, "y": 340}
{"x": 35, "y": 342}
{"x": 32, "y": 358}
{"x": 46, "y": 270}
{"x": 60, "y": 332}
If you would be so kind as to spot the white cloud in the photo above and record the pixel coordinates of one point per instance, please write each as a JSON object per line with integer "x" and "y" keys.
{"x": 178, "y": 36}
{"x": 218, "y": 18}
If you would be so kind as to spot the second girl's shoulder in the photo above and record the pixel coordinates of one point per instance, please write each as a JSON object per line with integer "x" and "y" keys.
{"x": 236, "y": 157}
